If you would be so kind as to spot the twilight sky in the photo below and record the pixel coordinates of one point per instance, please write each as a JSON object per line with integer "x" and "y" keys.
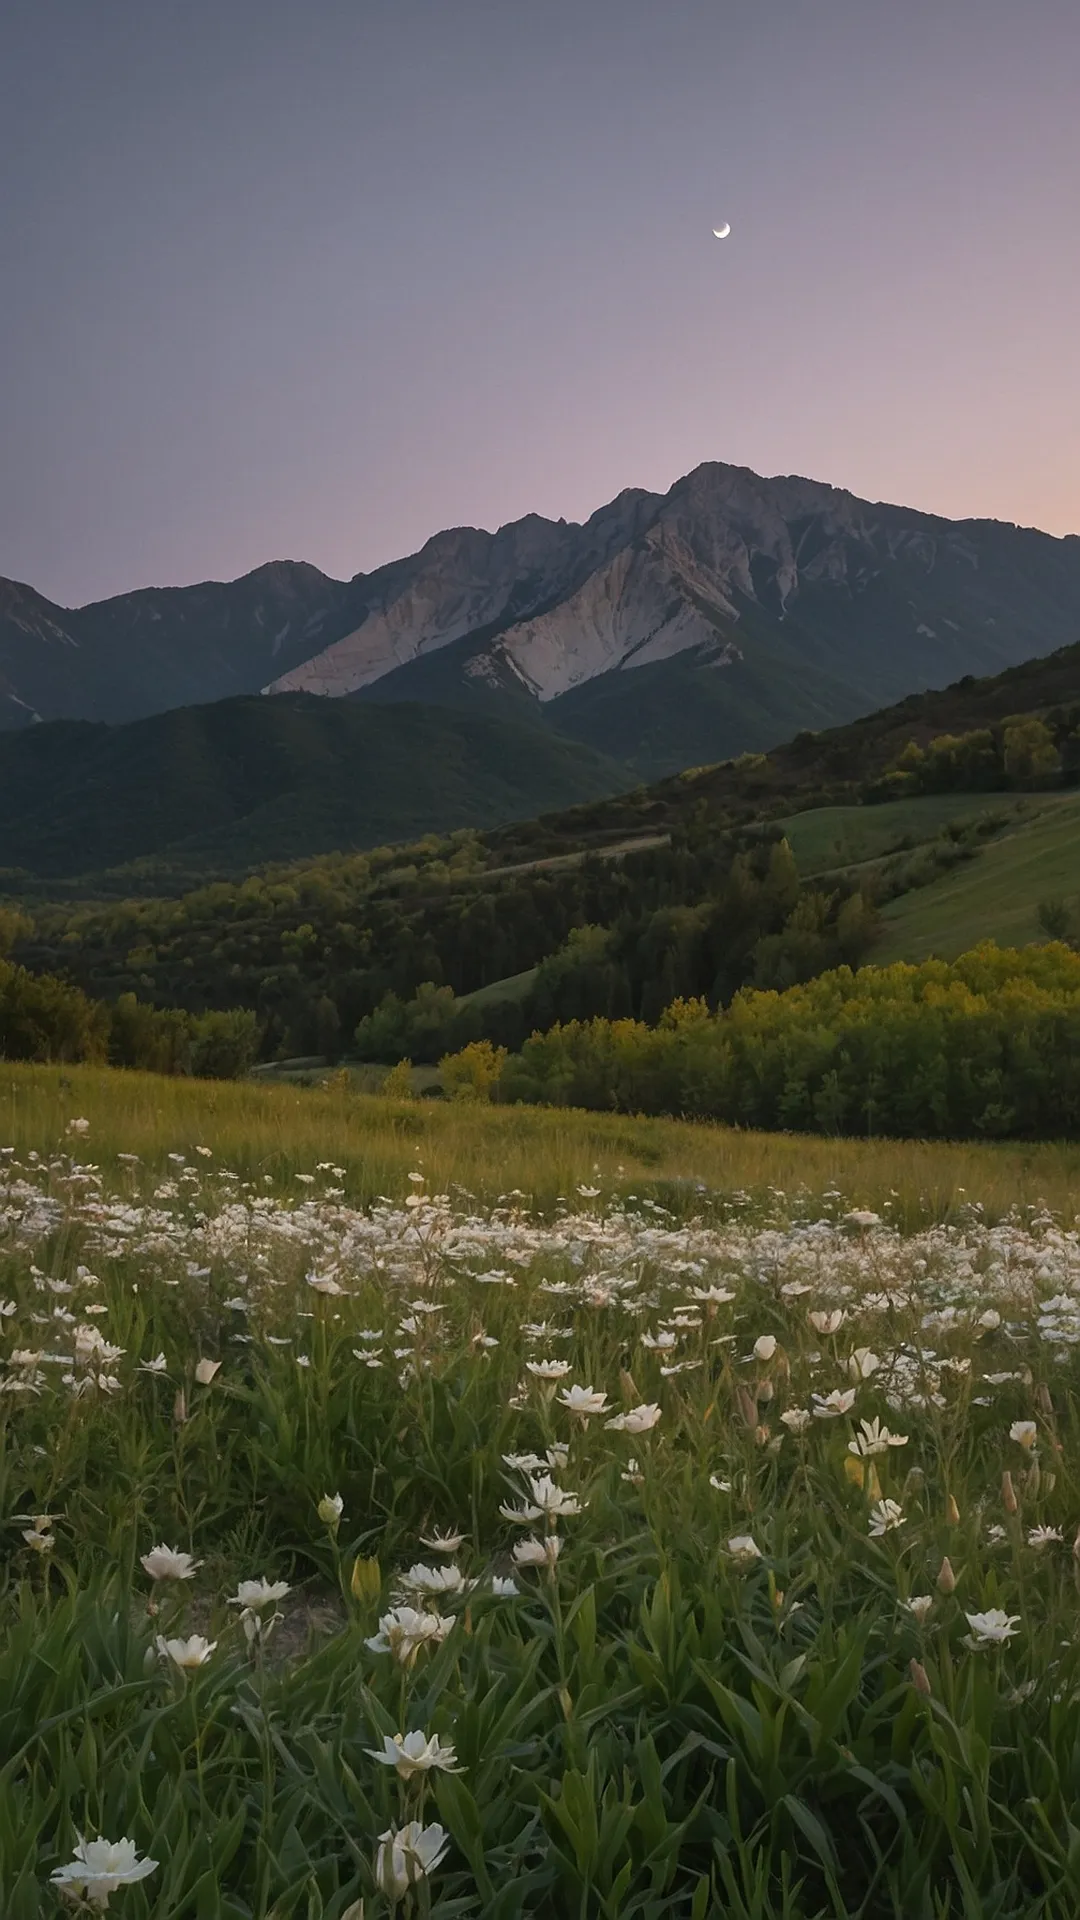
{"x": 314, "y": 278}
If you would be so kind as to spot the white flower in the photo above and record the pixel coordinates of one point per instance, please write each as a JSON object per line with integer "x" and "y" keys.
{"x": 324, "y": 1283}
{"x": 990, "y": 1629}
{"x": 544, "y": 1498}
{"x": 99, "y": 1868}
{"x": 712, "y": 1296}
{"x": 406, "y": 1854}
{"x": 552, "y": 1500}
{"x": 83, "y": 1126}
{"x": 743, "y": 1549}
{"x": 537, "y": 1553}
{"x": 862, "y": 1218}
{"x": 1024, "y": 1431}
{"x": 158, "y": 1365}
{"x": 434, "y": 1580}
{"x": 765, "y": 1346}
{"x": 403, "y": 1631}
{"x": 884, "y": 1517}
{"x": 503, "y": 1587}
{"x": 37, "y": 1538}
{"x": 661, "y": 1342}
{"x": 330, "y": 1509}
{"x": 862, "y": 1363}
{"x": 1040, "y": 1537}
{"x": 718, "y": 1485}
{"x": 875, "y": 1438}
{"x": 443, "y": 1542}
{"x": 253, "y": 1595}
{"x": 186, "y": 1653}
{"x": 583, "y": 1401}
{"x": 828, "y": 1406}
{"x": 920, "y": 1605}
{"x": 412, "y": 1753}
{"x": 828, "y": 1322}
{"x": 637, "y": 1420}
{"x": 205, "y": 1371}
{"x": 548, "y": 1369}
{"x": 797, "y": 1419}
{"x": 167, "y": 1563}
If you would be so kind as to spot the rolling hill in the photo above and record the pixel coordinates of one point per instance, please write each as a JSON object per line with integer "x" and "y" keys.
{"x": 229, "y": 786}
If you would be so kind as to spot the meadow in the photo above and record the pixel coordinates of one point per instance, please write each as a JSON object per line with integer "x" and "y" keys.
{"x": 996, "y": 896}
{"x": 448, "y": 1510}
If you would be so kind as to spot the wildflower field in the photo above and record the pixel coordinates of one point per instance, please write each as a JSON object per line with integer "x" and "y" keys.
{"x": 648, "y": 1546}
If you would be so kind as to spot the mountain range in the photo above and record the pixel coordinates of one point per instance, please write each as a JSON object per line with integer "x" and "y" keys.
{"x": 667, "y": 630}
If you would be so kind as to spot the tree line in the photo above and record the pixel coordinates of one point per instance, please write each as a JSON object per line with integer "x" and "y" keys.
{"x": 45, "y": 1018}
{"x": 987, "y": 1046}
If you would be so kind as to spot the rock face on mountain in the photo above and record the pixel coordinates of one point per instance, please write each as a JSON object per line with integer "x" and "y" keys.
{"x": 836, "y": 602}
{"x": 670, "y": 628}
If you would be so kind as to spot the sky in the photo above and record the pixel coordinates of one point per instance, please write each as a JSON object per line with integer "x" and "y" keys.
{"x": 312, "y": 279}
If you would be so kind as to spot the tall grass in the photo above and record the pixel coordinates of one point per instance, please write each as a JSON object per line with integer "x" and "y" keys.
{"x": 274, "y": 1132}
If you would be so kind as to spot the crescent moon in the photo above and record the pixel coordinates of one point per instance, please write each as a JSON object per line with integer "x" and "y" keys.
{"x": 721, "y": 233}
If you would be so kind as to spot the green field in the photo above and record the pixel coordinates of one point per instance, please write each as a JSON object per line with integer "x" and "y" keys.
{"x": 826, "y": 839}
{"x": 663, "y": 1552}
{"x": 995, "y": 896}
{"x": 272, "y": 1132}
{"x": 514, "y": 987}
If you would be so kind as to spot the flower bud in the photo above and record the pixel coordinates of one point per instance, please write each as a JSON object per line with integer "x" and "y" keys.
{"x": 628, "y": 1388}
{"x": 1033, "y": 1478}
{"x": 946, "y": 1580}
{"x": 1008, "y": 1496}
{"x": 366, "y": 1581}
{"x": 330, "y": 1510}
{"x": 1043, "y": 1400}
{"x": 763, "y": 1392}
{"x": 179, "y": 1412}
{"x": 920, "y": 1679}
{"x": 952, "y": 1512}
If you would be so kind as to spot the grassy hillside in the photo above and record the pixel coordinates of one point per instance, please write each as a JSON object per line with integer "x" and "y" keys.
{"x": 996, "y": 897}
{"x": 229, "y": 786}
{"x": 825, "y": 839}
{"x": 268, "y": 1134}
{"x": 813, "y": 768}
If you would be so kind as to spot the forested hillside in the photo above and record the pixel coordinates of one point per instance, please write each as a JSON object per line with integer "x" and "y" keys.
{"x": 223, "y": 788}
{"x": 699, "y": 886}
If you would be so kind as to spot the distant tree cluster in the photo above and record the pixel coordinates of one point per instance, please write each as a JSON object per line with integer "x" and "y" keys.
{"x": 988, "y": 1046}
{"x": 45, "y": 1018}
{"x": 1026, "y": 751}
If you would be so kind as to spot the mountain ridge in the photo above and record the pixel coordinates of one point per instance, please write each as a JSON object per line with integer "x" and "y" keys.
{"x": 719, "y": 616}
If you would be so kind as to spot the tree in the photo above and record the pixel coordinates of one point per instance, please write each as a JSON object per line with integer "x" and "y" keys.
{"x": 1030, "y": 751}
{"x": 473, "y": 1073}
